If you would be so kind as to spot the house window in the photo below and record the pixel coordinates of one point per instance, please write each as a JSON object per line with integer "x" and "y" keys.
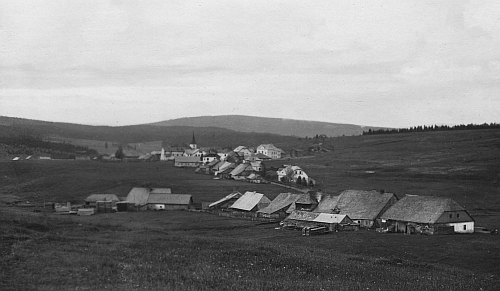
{"x": 458, "y": 215}
{"x": 465, "y": 227}
{"x": 451, "y": 215}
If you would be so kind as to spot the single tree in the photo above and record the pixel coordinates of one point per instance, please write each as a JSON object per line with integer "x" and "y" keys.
{"x": 119, "y": 153}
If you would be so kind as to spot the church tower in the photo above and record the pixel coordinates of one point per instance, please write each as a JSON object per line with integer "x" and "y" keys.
{"x": 193, "y": 144}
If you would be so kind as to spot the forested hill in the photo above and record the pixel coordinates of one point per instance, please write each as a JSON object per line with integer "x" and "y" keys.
{"x": 206, "y": 136}
{"x": 292, "y": 127}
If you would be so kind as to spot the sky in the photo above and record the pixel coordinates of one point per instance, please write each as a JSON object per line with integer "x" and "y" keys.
{"x": 379, "y": 63}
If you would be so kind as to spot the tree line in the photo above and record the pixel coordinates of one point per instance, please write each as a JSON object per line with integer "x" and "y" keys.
{"x": 425, "y": 128}
{"x": 29, "y": 143}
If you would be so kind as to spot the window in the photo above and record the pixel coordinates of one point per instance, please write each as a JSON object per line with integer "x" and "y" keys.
{"x": 458, "y": 215}
{"x": 465, "y": 227}
{"x": 451, "y": 215}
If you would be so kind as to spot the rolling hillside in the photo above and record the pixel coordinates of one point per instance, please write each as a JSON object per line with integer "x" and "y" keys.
{"x": 292, "y": 127}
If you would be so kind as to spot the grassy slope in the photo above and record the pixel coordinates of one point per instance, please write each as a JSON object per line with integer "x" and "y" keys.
{"x": 193, "y": 251}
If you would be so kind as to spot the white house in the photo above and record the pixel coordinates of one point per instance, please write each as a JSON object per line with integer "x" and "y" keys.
{"x": 270, "y": 150}
{"x": 297, "y": 173}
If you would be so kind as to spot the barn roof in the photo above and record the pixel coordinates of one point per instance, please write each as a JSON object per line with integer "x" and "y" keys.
{"x": 102, "y": 197}
{"x": 138, "y": 195}
{"x": 239, "y": 169}
{"x": 228, "y": 197}
{"x": 281, "y": 201}
{"x": 250, "y": 200}
{"x": 327, "y": 204}
{"x": 420, "y": 209}
{"x": 160, "y": 191}
{"x": 179, "y": 199}
{"x": 359, "y": 204}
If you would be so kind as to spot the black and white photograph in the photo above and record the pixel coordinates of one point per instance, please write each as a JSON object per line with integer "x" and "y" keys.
{"x": 249, "y": 145}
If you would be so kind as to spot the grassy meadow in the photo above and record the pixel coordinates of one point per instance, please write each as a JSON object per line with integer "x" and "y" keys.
{"x": 181, "y": 250}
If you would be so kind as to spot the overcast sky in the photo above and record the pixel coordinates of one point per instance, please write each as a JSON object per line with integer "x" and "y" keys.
{"x": 381, "y": 63}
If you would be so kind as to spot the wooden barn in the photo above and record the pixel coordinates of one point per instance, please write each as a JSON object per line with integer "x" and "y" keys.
{"x": 169, "y": 201}
{"x": 433, "y": 215}
{"x": 250, "y": 202}
{"x": 363, "y": 207}
{"x": 225, "y": 202}
{"x": 280, "y": 206}
{"x": 189, "y": 162}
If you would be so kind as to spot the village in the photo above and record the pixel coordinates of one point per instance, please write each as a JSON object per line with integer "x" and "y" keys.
{"x": 310, "y": 210}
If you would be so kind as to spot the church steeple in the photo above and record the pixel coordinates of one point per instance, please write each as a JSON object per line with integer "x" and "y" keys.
{"x": 193, "y": 143}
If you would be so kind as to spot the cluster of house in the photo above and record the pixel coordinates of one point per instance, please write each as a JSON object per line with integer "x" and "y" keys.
{"x": 351, "y": 210}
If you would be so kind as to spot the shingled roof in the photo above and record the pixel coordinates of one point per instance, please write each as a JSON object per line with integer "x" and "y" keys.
{"x": 227, "y": 198}
{"x": 318, "y": 217}
{"x": 420, "y": 209}
{"x": 327, "y": 204}
{"x": 250, "y": 200}
{"x": 178, "y": 199}
{"x": 360, "y": 204}
{"x": 281, "y": 201}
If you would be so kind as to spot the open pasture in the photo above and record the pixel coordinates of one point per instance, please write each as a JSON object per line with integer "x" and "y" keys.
{"x": 184, "y": 250}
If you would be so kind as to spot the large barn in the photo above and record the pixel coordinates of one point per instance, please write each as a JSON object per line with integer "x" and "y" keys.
{"x": 363, "y": 207}
{"x": 280, "y": 206}
{"x": 169, "y": 201}
{"x": 414, "y": 213}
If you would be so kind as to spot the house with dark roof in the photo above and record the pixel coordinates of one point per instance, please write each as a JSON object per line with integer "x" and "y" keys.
{"x": 165, "y": 201}
{"x": 413, "y": 213}
{"x": 363, "y": 207}
{"x": 250, "y": 202}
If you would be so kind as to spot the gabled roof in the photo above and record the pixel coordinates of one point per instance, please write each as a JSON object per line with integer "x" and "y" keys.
{"x": 161, "y": 191}
{"x": 226, "y": 166}
{"x": 177, "y": 199}
{"x": 306, "y": 199}
{"x": 420, "y": 209}
{"x": 213, "y": 163}
{"x": 217, "y": 165}
{"x": 281, "y": 201}
{"x": 240, "y": 169}
{"x": 332, "y": 218}
{"x": 327, "y": 204}
{"x": 227, "y": 198}
{"x": 191, "y": 151}
{"x": 240, "y": 148}
{"x": 102, "y": 197}
{"x": 138, "y": 196}
{"x": 270, "y": 146}
{"x": 318, "y": 217}
{"x": 250, "y": 200}
{"x": 359, "y": 204}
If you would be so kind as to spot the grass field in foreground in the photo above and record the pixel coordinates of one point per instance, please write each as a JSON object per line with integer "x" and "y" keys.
{"x": 181, "y": 250}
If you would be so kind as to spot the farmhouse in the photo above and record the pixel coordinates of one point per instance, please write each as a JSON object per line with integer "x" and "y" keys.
{"x": 292, "y": 173}
{"x": 94, "y": 198}
{"x": 191, "y": 162}
{"x": 270, "y": 150}
{"x": 300, "y": 219}
{"x": 250, "y": 202}
{"x": 414, "y": 213}
{"x": 225, "y": 202}
{"x": 279, "y": 207}
{"x": 241, "y": 171}
{"x": 208, "y": 158}
{"x": 365, "y": 207}
{"x": 169, "y": 201}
